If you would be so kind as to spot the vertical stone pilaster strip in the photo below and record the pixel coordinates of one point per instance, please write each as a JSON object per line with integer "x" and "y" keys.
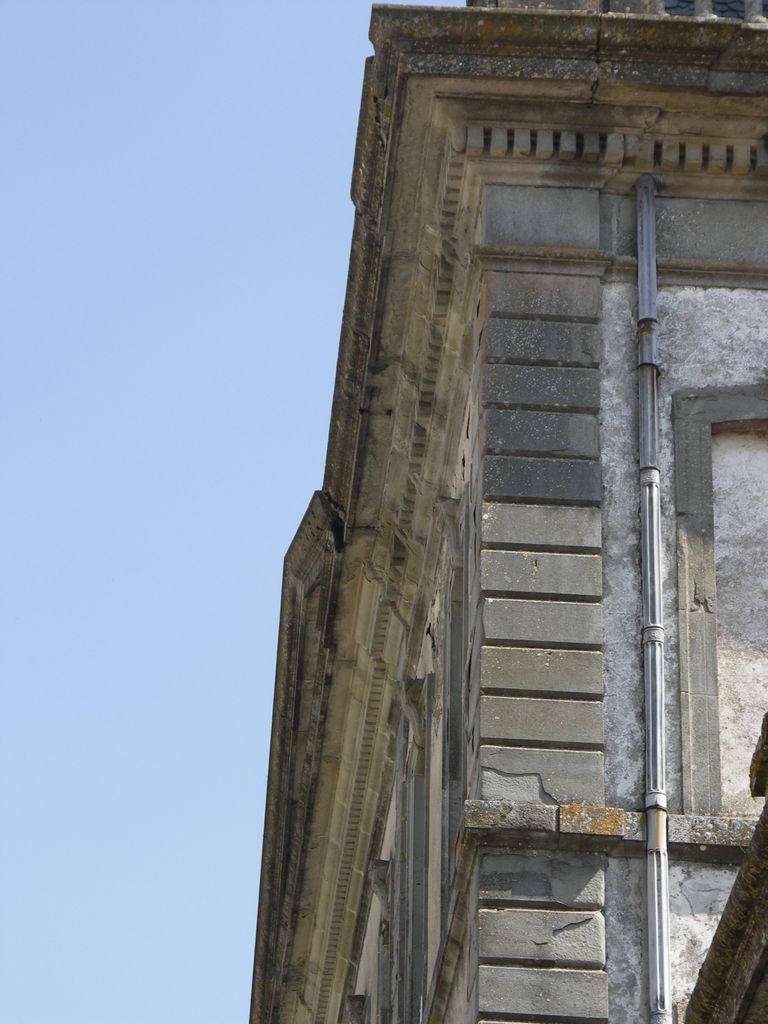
{"x": 539, "y": 720}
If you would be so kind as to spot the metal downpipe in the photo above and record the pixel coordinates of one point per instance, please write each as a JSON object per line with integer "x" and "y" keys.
{"x": 657, "y": 864}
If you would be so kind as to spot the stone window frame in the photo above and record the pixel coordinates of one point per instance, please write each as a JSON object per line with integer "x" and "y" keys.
{"x": 696, "y": 414}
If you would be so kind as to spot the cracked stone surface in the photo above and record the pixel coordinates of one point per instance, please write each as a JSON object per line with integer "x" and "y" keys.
{"x": 697, "y": 895}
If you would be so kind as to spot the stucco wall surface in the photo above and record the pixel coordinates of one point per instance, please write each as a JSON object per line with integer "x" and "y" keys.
{"x": 622, "y": 670}
{"x": 625, "y": 939}
{"x": 708, "y": 337}
{"x": 697, "y": 895}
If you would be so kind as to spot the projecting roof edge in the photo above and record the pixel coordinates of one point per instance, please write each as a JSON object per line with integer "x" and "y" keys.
{"x": 309, "y": 559}
{"x": 631, "y": 38}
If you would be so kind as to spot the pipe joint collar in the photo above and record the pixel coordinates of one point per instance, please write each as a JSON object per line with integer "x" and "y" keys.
{"x": 656, "y": 801}
{"x": 648, "y": 352}
{"x": 650, "y": 476}
{"x": 653, "y": 634}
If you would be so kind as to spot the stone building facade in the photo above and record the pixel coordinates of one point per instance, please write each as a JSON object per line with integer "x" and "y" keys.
{"x": 458, "y": 793}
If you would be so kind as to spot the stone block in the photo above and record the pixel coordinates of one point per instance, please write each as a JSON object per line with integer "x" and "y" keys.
{"x": 670, "y": 155}
{"x": 475, "y": 140}
{"x": 559, "y": 218}
{"x": 714, "y": 230}
{"x": 749, "y": 83}
{"x": 614, "y": 148}
{"x": 619, "y": 224}
{"x": 554, "y": 387}
{"x": 568, "y": 145}
{"x": 565, "y": 296}
{"x": 544, "y": 341}
{"x": 507, "y": 816}
{"x": 540, "y": 572}
{"x": 545, "y": 137}
{"x": 590, "y": 153}
{"x": 530, "y": 479}
{"x": 540, "y": 720}
{"x": 499, "y": 141}
{"x": 554, "y": 526}
{"x": 742, "y": 158}
{"x": 694, "y": 156}
{"x": 586, "y": 819}
{"x": 546, "y": 622}
{"x": 544, "y": 776}
{"x": 703, "y": 830}
{"x": 576, "y": 995}
{"x": 561, "y": 938}
{"x": 557, "y": 433}
{"x": 718, "y": 158}
{"x": 521, "y": 147}
{"x": 543, "y": 878}
{"x": 541, "y": 671}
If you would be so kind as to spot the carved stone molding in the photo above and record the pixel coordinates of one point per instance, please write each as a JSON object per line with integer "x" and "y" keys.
{"x": 694, "y": 413}
{"x": 616, "y": 149}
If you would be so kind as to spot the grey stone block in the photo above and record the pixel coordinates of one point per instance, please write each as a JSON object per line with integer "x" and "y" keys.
{"x": 545, "y": 622}
{"x": 537, "y": 572}
{"x": 557, "y": 433}
{"x": 712, "y": 230}
{"x": 524, "y": 668}
{"x": 545, "y": 341}
{"x": 544, "y": 776}
{"x": 541, "y": 526}
{"x": 551, "y": 217}
{"x": 703, "y": 830}
{"x": 561, "y": 480}
{"x": 544, "y": 993}
{"x": 536, "y": 720}
{"x": 716, "y": 230}
{"x": 556, "y": 387}
{"x": 543, "y": 878}
{"x": 506, "y": 816}
{"x": 565, "y": 296}
{"x": 590, "y": 6}
{"x": 562, "y": 938}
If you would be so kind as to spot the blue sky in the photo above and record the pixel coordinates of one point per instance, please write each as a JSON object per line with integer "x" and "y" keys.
{"x": 175, "y": 228}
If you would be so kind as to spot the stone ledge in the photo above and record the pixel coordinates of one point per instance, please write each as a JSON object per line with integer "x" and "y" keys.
{"x": 598, "y": 824}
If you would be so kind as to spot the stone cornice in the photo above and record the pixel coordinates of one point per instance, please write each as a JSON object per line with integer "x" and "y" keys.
{"x": 309, "y": 567}
{"x": 628, "y": 39}
{"x": 593, "y": 826}
{"x": 569, "y": 146}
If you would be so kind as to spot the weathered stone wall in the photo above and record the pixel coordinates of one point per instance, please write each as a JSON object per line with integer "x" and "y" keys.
{"x": 540, "y": 717}
{"x": 709, "y": 338}
{"x": 697, "y": 895}
{"x": 521, "y": 935}
{"x": 542, "y": 578}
